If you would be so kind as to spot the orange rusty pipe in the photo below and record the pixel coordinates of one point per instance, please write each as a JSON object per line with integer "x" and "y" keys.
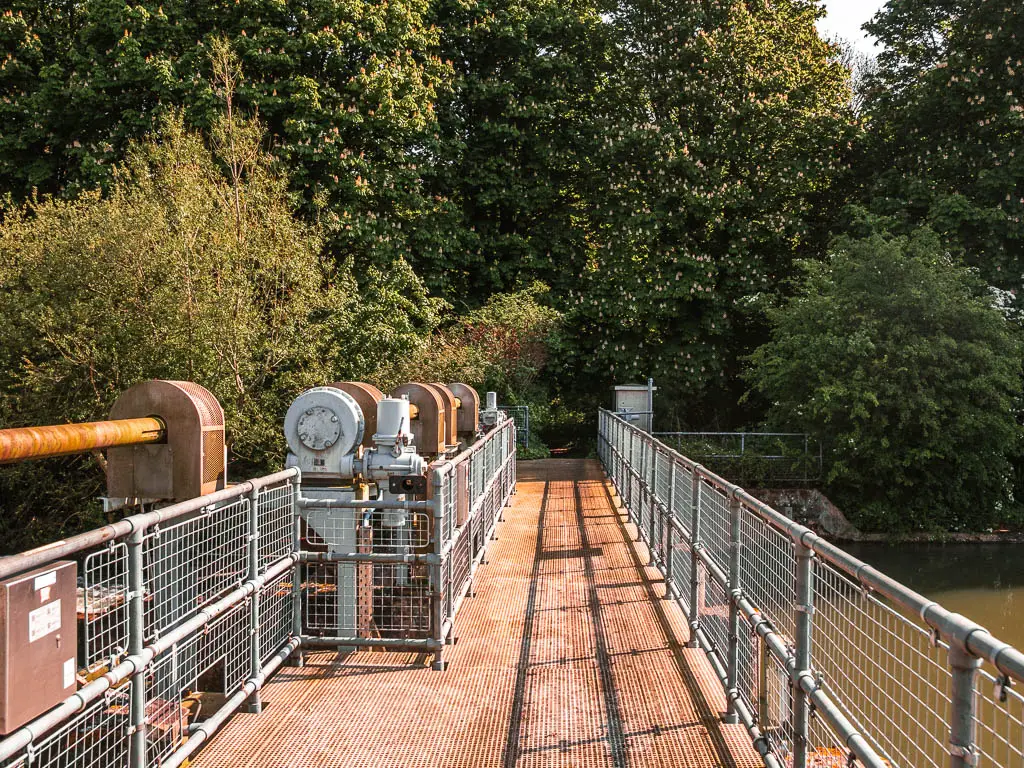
{"x": 41, "y": 442}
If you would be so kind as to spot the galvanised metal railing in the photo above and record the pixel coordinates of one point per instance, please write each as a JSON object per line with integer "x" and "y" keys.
{"x": 167, "y": 595}
{"x": 471, "y": 491}
{"x": 226, "y": 584}
{"x": 824, "y": 659}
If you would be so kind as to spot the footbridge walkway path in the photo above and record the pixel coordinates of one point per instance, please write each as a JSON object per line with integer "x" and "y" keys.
{"x": 566, "y": 655}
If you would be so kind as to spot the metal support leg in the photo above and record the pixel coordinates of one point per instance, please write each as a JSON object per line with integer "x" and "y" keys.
{"x": 668, "y": 529}
{"x": 297, "y": 659}
{"x": 652, "y": 526}
{"x": 437, "y": 597}
{"x": 253, "y": 704}
{"x": 804, "y": 622}
{"x": 735, "y": 591}
{"x": 136, "y": 640}
{"x": 695, "y": 492}
{"x": 963, "y": 667}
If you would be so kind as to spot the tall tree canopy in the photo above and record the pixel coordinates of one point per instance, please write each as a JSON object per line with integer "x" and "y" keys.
{"x": 346, "y": 90}
{"x": 946, "y": 145}
{"x": 724, "y": 126}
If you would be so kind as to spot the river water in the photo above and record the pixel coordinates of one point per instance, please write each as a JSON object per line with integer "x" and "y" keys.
{"x": 984, "y": 582}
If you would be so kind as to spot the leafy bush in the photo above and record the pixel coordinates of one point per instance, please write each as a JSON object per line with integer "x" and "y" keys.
{"x": 899, "y": 362}
{"x": 194, "y": 267}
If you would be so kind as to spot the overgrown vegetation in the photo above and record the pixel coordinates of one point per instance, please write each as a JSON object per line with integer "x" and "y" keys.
{"x": 542, "y": 198}
{"x": 900, "y": 363}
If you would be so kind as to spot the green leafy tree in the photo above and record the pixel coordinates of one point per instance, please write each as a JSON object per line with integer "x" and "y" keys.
{"x": 516, "y": 145}
{"x": 193, "y": 266}
{"x": 947, "y": 128}
{"x": 900, "y": 362}
{"x": 346, "y": 92}
{"x": 725, "y": 127}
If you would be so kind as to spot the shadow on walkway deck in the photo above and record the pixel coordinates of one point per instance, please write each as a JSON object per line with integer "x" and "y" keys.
{"x": 567, "y": 656}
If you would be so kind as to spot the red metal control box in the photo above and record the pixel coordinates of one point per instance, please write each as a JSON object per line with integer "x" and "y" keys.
{"x": 38, "y": 642}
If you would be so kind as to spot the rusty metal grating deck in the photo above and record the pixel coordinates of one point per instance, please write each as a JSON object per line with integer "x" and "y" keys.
{"x": 566, "y": 656}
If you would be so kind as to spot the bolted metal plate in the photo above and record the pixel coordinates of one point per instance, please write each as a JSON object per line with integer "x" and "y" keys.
{"x": 412, "y": 484}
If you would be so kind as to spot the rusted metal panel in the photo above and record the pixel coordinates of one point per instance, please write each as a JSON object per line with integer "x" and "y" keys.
{"x": 468, "y": 421}
{"x": 428, "y": 427}
{"x": 64, "y": 439}
{"x": 367, "y": 396}
{"x": 192, "y": 459}
{"x": 451, "y": 435}
{"x": 38, "y": 642}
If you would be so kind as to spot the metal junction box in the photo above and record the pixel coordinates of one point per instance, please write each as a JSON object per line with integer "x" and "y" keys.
{"x": 38, "y": 642}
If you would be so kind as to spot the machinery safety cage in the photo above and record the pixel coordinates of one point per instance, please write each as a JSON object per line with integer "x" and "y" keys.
{"x": 214, "y": 593}
{"x": 825, "y": 660}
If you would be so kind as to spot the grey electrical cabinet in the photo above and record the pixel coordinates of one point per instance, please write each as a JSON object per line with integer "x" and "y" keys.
{"x": 38, "y": 642}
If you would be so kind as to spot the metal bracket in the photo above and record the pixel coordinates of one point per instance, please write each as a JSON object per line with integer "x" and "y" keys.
{"x": 934, "y": 637}
{"x": 968, "y": 754}
{"x": 851, "y": 760}
{"x": 808, "y": 609}
{"x": 1002, "y": 686}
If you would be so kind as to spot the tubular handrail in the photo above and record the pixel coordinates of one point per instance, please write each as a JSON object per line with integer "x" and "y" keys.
{"x": 636, "y": 463}
{"x": 40, "y": 556}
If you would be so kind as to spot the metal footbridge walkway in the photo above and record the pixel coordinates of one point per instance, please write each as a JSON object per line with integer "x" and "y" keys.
{"x": 565, "y": 655}
{"x": 632, "y": 611}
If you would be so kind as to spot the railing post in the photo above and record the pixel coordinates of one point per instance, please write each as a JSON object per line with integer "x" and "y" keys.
{"x": 645, "y": 490}
{"x": 297, "y": 659}
{"x": 629, "y": 476}
{"x": 436, "y": 605}
{"x": 254, "y": 705}
{"x": 963, "y": 668}
{"x": 651, "y": 529}
{"x": 695, "y": 491}
{"x": 136, "y": 640}
{"x": 668, "y": 528}
{"x": 735, "y": 591}
{"x": 804, "y": 623}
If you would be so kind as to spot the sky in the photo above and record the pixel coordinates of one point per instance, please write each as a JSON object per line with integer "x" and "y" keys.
{"x": 844, "y": 19}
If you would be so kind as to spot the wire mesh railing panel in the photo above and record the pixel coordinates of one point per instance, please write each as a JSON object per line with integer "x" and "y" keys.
{"x": 104, "y": 605}
{"x": 999, "y": 721}
{"x": 95, "y": 738}
{"x": 328, "y": 591}
{"x": 400, "y": 604}
{"x": 276, "y": 522}
{"x": 775, "y": 706}
{"x": 368, "y": 531}
{"x": 165, "y": 718}
{"x": 714, "y": 614}
{"x": 682, "y": 567}
{"x": 461, "y": 560}
{"x": 747, "y": 679}
{"x": 883, "y": 669}
{"x": 682, "y": 495}
{"x": 663, "y": 476}
{"x": 191, "y": 563}
{"x": 220, "y": 653}
{"x": 888, "y": 691}
{"x": 768, "y": 572}
{"x": 276, "y": 618}
{"x": 715, "y": 523}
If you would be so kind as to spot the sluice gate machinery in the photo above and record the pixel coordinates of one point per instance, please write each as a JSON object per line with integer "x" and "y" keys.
{"x": 146, "y": 634}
